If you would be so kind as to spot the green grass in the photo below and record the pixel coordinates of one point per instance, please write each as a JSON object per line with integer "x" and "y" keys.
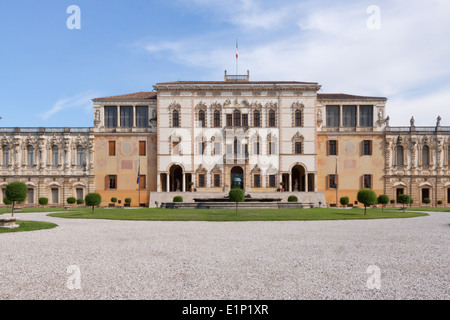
{"x": 430, "y": 209}
{"x": 28, "y": 210}
{"x": 29, "y": 226}
{"x": 230, "y": 215}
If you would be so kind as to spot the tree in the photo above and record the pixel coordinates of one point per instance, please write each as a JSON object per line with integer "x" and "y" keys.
{"x": 344, "y": 201}
{"x": 236, "y": 195}
{"x": 43, "y": 201}
{"x": 427, "y": 201}
{"x": 383, "y": 200}
{"x": 16, "y": 192}
{"x": 367, "y": 197}
{"x": 71, "y": 200}
{"x": 92, "y": 200}
{"x": 404, "y": 199}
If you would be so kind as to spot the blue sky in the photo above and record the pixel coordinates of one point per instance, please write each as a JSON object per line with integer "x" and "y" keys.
{"x": 51, "y": 73}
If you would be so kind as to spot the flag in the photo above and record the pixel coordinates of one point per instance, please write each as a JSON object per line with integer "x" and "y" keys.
{"x": 139, "y": 173}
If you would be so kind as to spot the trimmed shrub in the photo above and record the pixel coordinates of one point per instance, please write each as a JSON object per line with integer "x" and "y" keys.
{"x": 92, "y": 200}
{"x": 16, "y": 192}
{"x": 392, "y": 201}
{"x": 383, "y": 200}
{"x": 427, "y": 201}
{"x": 113, "y": 199}
{"x": 367, "y": 197}
{"x": 404, "y": 199}
{"x": 7, "y": 201}
{"x": 439, "y": 202}
{"x": 344, "y": 201}
{"x": 128, "y": 200}
{"x": 292, "y": 199}
{"x": 71, "y": 200}
{"x": 43, "y": 201}
{"x": 80, "y": 201}
{"x": 177, "y": 199}
{"x": 236, "y": 195}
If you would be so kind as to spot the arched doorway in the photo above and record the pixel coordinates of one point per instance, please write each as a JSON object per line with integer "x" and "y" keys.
{"x": 237, "y": 178}
{"x": 298, "y": 179}
{"x": 176, "y": 178}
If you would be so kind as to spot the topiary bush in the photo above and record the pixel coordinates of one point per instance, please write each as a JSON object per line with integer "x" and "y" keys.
{"x": 80, "y": 201}
{"x": 71, "y": 200}
{"x": 344, "y": 201}
{"x": 16, "y": 192}
{"x": 113, "y": 199}
{"x": 404, "y": 199}
{"x": 236, "y": 195}
{"x": 177, "y": 199}
{"x": 367, "y": 197}
{"x": 383, "y": 200}
{"x": 43, "y": 201}
{"x": 292, "y": 199}
{"x": 127, "y": 200}
{"x": 427, "y": 201}
{"x": 92, "y": 200}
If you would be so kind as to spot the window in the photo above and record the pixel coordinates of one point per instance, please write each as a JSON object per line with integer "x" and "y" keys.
{"x": 201, "y": 180}
{"x": 332, "y": 148}
{"x": 366, "y": 116}
{"x": 79, "y": 193}
{"x": 298, "y": 118}
{"x": 217, "y": 180}
{"x": 367, "y": 147}
{"x": 271, "y": 147}
{"x": 367, "y": 181}
{"x": 175, "y": 147}
{"x": 110, "y": 117}
{"x": 201, "y": 148}
{"x": 245, "y": 120}
{"x": 80, "y": 156}
{"x": 30, "y": 155}
{"x": 30, "y": 196}
{"x": 55, "y": 154}
{"x": 237, "y": 118}
{"x": 425, "y": 156}
{"x": 256, "y": 118}
{"x": 126, "y": 117}
{"x": 142, "y": 148}
{"x": 448, "y": 195}
{"x": 112, "y": 182}
{"x": 333, "y": 116}
{"x": 332, "y": 181}
{"x": 236, "y": 146}
{"x": 272, "y": 181}
{"x": 400, "y": 157}
{"x": 216, "y": 118}
{"x": 272, "y": 120}
{"x": 349, "y": 116}
{"x": 229, "y": 120}
{"x": 142, "y": 182}
{"x": 141, "y": 117}
{"x": 216, "y": 150}
{"x": 6, "y": 156}
{"x": 257, "y": 181}
{"x": 298, "y": 148}
{"x": 55, "y": 198}
{"x": 202, "y": 118}
{"x": 112, "y": 148}
{"x": 175, "y": 119}
{"x": 256, "y": 148}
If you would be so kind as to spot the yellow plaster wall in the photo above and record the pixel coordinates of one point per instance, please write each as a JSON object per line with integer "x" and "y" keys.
{"x": 351, "y": 165}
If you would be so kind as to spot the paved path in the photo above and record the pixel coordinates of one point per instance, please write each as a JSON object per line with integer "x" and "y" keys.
{"x": 228, "y": 260}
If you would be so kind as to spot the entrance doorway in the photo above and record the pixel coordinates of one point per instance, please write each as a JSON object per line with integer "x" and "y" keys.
{"x": 176, "y": 178}
{"x": 298, "y": 179}
{"x": 237, "y": 178}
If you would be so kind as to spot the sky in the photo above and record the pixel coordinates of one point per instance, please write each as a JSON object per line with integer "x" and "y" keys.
{"x": 54, "y": 61}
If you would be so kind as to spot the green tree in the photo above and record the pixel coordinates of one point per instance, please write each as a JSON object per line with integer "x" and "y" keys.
{"x": 344, "y": 201}
{"x": 236, "y": 195}
{"x": 427, "y": 201}
{"x": 43, "y": 201}
{"x": 367, "y": 197}
{"x": 71, "y": 200}
{"x": 16, "y": 192}
{"x": 404, "y": 199}
{"x": 92, "y": 200}
{"x": 383, "y": 200}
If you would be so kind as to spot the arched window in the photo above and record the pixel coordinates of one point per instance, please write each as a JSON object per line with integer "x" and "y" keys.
{"x": 272, "y": 122}
{"x": 30, "y": 155}
{"x": 55, "y": 153}
{"x": 426, "y": 156}
{"x": 6, "y": 156}
{"x": 298, "y": 118}
{"x": 202, "y": 118}
{"x": 256, "y": 118}
{"x": 175, "y": 118}
{"x": 80, "y": 156}
{"x": 216, "y": 118}
{"x": 400, "y": 152}
{"x": 237, "y": 118}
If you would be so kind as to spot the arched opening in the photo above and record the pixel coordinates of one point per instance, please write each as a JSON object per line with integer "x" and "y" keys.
{"x": 176, "y": 178}
{"x": 298, "y": 179}
{"x": 237, "y": 178}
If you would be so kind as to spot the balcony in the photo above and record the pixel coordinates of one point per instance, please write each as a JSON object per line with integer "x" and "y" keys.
{"x": 241, "y": 158}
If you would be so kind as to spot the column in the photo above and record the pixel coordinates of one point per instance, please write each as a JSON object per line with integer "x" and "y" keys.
{"x": 289, "y": 188}
{"x": 307, "y": 182}
{"x": 158, "y": 182}
{"x": 183, "y": 185}
{"x": 167, "y": 182}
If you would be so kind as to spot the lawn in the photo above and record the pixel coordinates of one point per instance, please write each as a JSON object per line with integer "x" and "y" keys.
{"x": 25, "y": 210}
{"x": 157, "y": 214}
{"x": 429, "y": 209}
{"x": 29, "y": 226}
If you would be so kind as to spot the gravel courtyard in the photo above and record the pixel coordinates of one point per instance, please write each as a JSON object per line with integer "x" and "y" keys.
{"x": 227, "y": 260}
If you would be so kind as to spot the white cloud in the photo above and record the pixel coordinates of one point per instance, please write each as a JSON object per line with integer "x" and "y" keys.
{"x": 80, "y": 102}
